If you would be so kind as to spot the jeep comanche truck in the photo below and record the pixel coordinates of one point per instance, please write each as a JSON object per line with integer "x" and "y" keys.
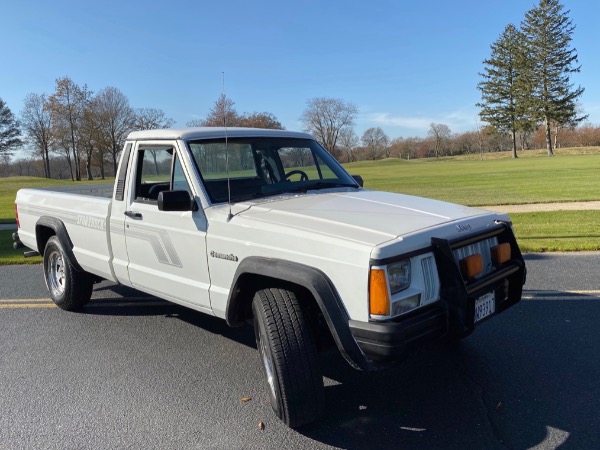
{"x": 265, "y": 227}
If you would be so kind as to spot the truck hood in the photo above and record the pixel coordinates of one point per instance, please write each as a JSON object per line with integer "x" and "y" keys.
{"x": 370, "y": 217}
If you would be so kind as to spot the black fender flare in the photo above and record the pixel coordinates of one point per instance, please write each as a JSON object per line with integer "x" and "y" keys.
{"x": 322, "y": 290}
{"x": 61, "y": 233}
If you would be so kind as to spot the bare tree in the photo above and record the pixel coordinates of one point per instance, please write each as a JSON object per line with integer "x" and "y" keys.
{"x": 36, "y": 118}
{"x": 91, "y": 134}
{"x": 326, "y": 117}
{"x": 68, "y": 104}
{"x": 222, "y": 114}
{"x": 150, "y": 119}
{"x": 5, "y": 165}
{"x": 260, "y": 120}
{"x": 347, "y": 143}
{"x": 439, "y": 132}
{"x": 376, "y": 143}
{"x": 117, "y": 120}
{"x": 300, "y": 156}
{"x": 63, "y": 147}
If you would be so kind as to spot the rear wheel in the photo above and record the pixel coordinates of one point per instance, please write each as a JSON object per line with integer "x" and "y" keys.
{"x": 69, "y": 289}
{"x": 288, "y": 354}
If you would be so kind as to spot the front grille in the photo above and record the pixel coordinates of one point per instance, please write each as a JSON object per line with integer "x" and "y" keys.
{"x": 483, "y": 248}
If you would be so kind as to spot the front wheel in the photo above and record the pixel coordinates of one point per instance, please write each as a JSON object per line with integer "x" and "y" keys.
{"x": 69, "y": 289}
{"x": 289, "y": 357}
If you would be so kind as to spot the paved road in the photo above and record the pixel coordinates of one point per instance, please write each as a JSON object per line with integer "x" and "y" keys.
{"x": 140, "y": 373}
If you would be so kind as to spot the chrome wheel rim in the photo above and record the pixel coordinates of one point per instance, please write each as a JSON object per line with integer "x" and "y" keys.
{"x": 56, "y": 274}
{"x": 267, "y": 364}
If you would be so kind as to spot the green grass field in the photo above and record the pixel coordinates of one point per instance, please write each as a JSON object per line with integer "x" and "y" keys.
{"x": 9, "y": 187}
{"x": 10, "y": 256}
{"x": 499, "y": 181}
{"x": 557, "y": 231}
{"x": 572, "y": 175}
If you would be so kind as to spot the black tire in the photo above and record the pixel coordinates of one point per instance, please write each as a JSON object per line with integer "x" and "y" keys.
{"x": 69, "y": 289}
{"x": 289, "y": 357}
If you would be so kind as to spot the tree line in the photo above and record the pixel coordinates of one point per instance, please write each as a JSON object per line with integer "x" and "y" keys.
{"x": 330, "y": 120}
{"x": 78, "y": 134}
{"x": 82, "y": 130}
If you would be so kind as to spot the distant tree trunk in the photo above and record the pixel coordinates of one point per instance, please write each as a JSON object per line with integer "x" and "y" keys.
{"x": 68, "y": 156}
{"x": 88, "y": 163}
{"x": 114, "y": 160}
{"x": 549, "y": 138}
{"x": 46, "y": 159}
{"x": 514, "y": 140}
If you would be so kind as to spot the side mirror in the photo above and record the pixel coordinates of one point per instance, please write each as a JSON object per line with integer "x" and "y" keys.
{"x": 176, "y": 201}
{"x": 359, "y": 180}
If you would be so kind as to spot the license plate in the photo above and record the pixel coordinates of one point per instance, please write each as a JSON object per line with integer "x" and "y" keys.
{"x": 485, "y": 306}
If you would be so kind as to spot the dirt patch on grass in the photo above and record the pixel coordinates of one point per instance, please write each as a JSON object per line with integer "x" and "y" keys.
{"x": 537, "y": 207}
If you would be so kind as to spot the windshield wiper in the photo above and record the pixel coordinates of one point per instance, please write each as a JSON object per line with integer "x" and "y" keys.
{"x": 274, "y": 189}
{"x": 269, "y": 192}
{"x": 329, "y": 184}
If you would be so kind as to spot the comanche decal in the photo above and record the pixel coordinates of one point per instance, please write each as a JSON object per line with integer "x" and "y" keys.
{"x": 91, "y": 222}
{"x": 230, "y": 257}
{"x": 460, "y": 228}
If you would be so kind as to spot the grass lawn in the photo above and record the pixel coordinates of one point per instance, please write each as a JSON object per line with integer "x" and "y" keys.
{"x": 9, "y": 187}
{"x": 10, "y": 256}
{"x": 495, "y": 181}
{"x": 557, "y": 231}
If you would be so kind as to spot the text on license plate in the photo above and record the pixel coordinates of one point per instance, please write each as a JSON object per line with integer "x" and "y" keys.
{"x": 485, "y": 306}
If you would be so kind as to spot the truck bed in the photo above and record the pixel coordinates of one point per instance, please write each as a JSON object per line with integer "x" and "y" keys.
{"x": 82, "y": 210}
{"x": 95, "y": 190}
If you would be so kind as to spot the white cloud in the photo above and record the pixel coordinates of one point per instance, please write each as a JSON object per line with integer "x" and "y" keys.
{"x": 459, "y": 120}
{"x": 386, "y": 119}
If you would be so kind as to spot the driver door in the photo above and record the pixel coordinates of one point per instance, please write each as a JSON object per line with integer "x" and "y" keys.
{"x": 166, "y": 249}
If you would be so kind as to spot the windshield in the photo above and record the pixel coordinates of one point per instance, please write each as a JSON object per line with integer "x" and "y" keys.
{"x": 265, "y": 166}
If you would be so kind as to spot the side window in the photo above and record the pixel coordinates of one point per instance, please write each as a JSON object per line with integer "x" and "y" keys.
{"x": 153, "y": 172}
{"x": 179, "y": 181}
{"x": 158, "y": 170}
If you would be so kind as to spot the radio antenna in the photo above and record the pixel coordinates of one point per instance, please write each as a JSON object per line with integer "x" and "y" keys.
{"x": 223, "y": 98}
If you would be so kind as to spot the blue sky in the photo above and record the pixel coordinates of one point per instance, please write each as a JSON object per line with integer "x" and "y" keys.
{"x": 403, "y": 64}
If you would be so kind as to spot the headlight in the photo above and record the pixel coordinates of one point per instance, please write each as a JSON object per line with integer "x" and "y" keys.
{"x": 399, "y": 276}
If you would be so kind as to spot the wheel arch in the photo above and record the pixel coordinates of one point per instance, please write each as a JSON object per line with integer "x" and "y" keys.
{"x": 255, "y": 273}
{"x": 45, "y": 228}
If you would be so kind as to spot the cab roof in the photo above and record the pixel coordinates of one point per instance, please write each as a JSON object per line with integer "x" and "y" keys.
{"x": 212, "y": 133}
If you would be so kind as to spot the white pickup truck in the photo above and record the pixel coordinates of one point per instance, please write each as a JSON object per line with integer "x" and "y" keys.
{"x": 264, "y": 226}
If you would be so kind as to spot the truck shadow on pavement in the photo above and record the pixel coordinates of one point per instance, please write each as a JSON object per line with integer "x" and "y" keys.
{"x": 527, "y": 378}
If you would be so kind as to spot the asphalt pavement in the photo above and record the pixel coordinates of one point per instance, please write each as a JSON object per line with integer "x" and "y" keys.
{"x": 132, "y": 371}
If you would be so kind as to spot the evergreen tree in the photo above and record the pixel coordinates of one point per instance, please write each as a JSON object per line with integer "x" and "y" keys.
{"x": 9, "y": 130}
{"x": 504, "y": 87}
{"x": 547, "y": 31}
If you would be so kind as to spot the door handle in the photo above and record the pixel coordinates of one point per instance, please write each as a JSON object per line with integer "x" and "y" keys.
{"x": 133, "y": 214}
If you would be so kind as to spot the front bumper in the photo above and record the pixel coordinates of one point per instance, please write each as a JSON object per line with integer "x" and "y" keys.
{"x": 454, "y": 314}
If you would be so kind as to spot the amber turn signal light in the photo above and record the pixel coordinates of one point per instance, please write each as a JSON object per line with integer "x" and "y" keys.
{"x": 501, "y": 253}
{"x": 471, "y": 266}
{"x": 379, "y": 299}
